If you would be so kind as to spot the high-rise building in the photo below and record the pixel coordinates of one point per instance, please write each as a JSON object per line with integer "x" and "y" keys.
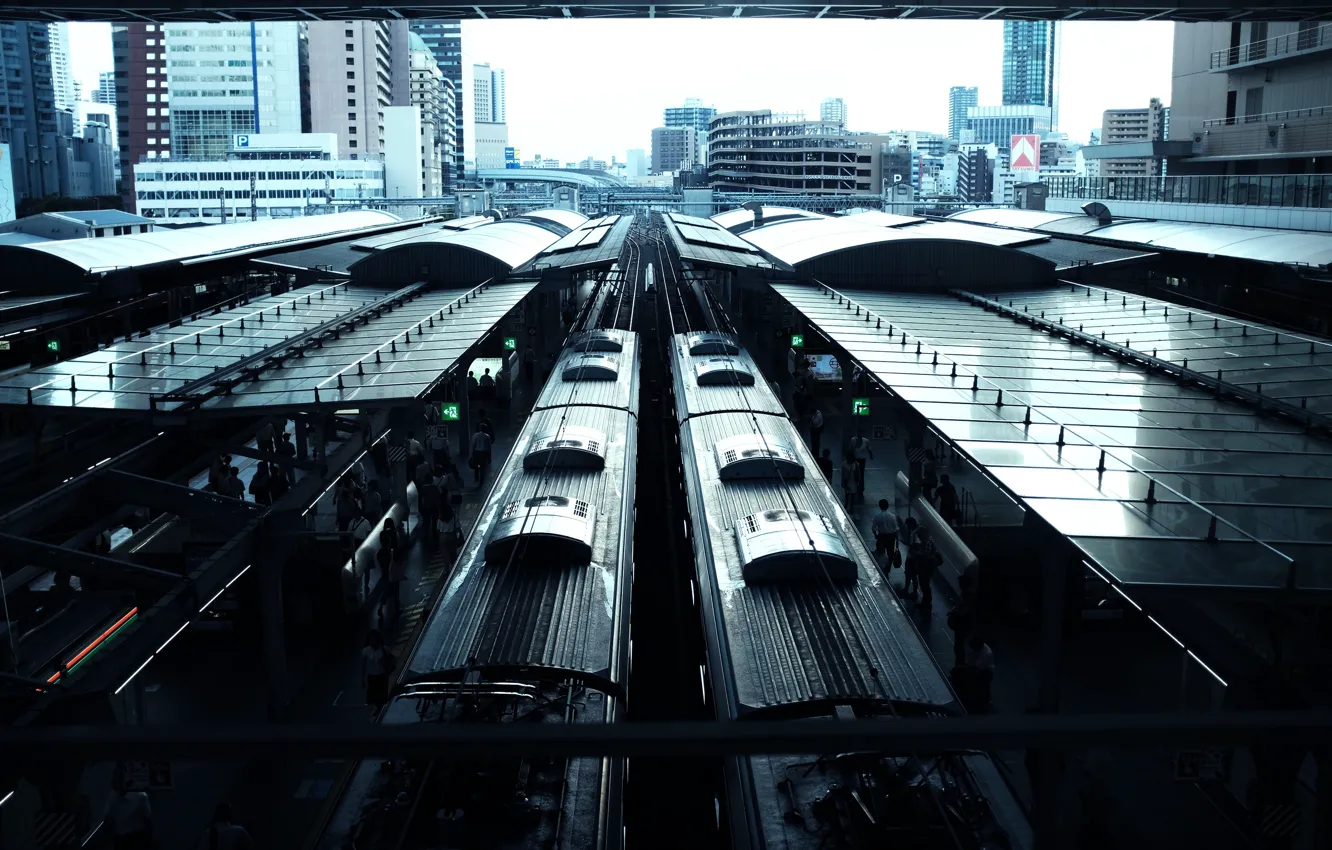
{"x": 693, "y": 114}
{"x": 960, "y": 99}
{"x": 427, "y": 94}
{"x": 106, "y": 86}
{"x": 995, "y": 125}
{"x": 1124, "y": 126}
{"x": 229, "y": 79}
{"x": 352, "y": 78}
{"x": 636, "y": 163}
{"x": 974, "y": 177}
{"x": 28, "y": 119}
{"x": 762, "y": 151}
{"x": 833, "y": 109}
{"x": 444, "y": 38}
{"x": 93, "y": 162}
{"x": 673, "y": 149}
{"x": 489, "y": 116}
{"x": 62, "y": 80}
{"x": 143, "y": 122}
{"x": 1031, "y": 65}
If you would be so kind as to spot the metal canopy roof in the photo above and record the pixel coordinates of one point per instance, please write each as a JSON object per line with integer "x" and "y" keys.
{"x": 1259, "y": 244}
{"x": 336, "y": 346}
{"x": 510, "y": 242}
{"x": 598, "y": 242}
{"x": 701, "y": 241}
{"x": 194, "y": 244}
{"x": 882, "y": 219}
{"x": 740, "y": 220}
{"x": 565, "y": 218}
{"x": 1157, "y": 480}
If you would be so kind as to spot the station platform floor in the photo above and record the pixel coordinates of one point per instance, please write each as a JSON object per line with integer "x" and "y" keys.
{"x": 205, "y": 677}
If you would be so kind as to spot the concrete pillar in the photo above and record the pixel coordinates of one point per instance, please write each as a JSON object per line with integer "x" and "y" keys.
{"x": 464, "y": 424}
{"x": 277, "y": 541}
{"x": 302, "y": 439}
{"x": 400, "y": 421}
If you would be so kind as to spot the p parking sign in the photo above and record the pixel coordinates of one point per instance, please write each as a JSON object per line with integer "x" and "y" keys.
{"x": 448, "y": 411}
{"x": 860, "y": 407}
{"x": 797, "y": 340}
{"x": 511, "y": 343}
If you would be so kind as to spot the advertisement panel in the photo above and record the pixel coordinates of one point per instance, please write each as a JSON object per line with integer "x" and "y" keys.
{"x": 1025, "y": 154}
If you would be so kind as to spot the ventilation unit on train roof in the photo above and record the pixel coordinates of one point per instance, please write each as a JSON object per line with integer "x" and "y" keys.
{"x": 751, "y": 456}
{"x": 711, "y": 343}
{"x": 592, "y": 367}
{"x": 599, "y": 341}
{"x": 723, "y": 371}
{"x": 569, "y": 447}
{"x": 788, "y": 545}
{"x": 554, "y": 530}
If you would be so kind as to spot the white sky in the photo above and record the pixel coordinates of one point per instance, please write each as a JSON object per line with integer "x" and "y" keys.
{"x": 597, "y": 88}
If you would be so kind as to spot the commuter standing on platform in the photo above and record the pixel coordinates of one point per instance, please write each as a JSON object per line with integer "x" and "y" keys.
{"x": 259, "y": 483}
{"x": 265, "y": 438}
{"x": 912, "y": 582}
{"x": 232, "y": 485}
{"x": 947, "y": 500}
{"x": 481, "y": 445}
{"x": 487, "y": 384}
{"x": 825, "y": 464}
{"x": 483, "y": 423}
{"x": 529, "y": 366}
{"x": 415, "y": 453}
{"x": 446, "y": 526}
{"x": 929, "y": 480}
{"x": 850, "y": 482}
{"x": 928, "y": 560}
{"x": 885, "y": 528}
{"x": 860, "y": 449}
{"x": 376, "y": 665}
{"x": 815, "y": 430}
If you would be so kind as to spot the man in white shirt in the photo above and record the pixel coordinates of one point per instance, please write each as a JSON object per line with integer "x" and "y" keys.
{"x": 481, "y": 445}
{"x": 860, "y": 450}
{"x": 885, "y": 528}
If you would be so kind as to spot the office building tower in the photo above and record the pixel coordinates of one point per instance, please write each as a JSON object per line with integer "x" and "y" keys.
{"x": 427, "y": 94}
{"x": 444, "y": 38}
{"x": 224, "y": 80}
{"x": 106, "y": 84}
{"x": 352, "y": 82}
{"x": 974, "y": 177}
{"x": 489, "y": 115}
{"x": 1031, "y": 65}
{"x": 1252, "y": 97}
{"x": 673, "y": 149}
{"x": 996, "y": 125}
{"x": 833, "y": 109}
{"x": 636, "y": 163}
{"x": 143, "y": 122}
{"x": 28, "y": 120}
{"x": 1125, "y": 126}
{"x": 960, "y": 99}
{"x": 93, "y": 167}
{"x": 693, "y": 114}
{"x": 62, "y": 80}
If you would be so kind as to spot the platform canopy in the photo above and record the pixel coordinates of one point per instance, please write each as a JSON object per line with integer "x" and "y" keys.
{"x": 1158, "y": 480}
{"x": 321, "y": 346}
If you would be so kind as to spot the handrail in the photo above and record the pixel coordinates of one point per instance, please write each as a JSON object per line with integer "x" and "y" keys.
{"x": 1277, "y": 47}
{"x": 1263, "y": 117}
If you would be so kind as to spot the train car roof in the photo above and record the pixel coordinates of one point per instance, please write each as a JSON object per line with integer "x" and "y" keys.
{"x": 800, "y": 641}
{"x": 594, "y": 376}
{"x": 728, "y": 393}
{"x": 539, "y": 609}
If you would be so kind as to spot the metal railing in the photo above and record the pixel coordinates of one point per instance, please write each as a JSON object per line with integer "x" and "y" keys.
{"x": 1279, "y": 47}
{"x": 1266, "y": 117}
{"x": 1307, "y": 191}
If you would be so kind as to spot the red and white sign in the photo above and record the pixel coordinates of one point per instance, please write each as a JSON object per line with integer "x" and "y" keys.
{"x": 1024, "y": 154}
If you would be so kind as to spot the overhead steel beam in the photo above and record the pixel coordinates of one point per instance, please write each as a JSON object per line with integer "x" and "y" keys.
{"x": 175, "y": 498}
{"x": 677, "y": 739}
{"x": 54, "y": 557}
{"x": 167, "y": 11}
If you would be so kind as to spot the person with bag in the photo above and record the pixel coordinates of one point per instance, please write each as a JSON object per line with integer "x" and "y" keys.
{"x": 481, "y": 445}
{"x": 911, "y": 583}
{"x": 259, "y": 484}
{"x": 850, "y": 483}
{"x": 222, "y": 834}
{"x": 450, "y": 487}
{"x": 376, "y": 665}
{"x": 928, "y": 560}
{"x": 885, "y": 528}
{"x": 450, "y": 534}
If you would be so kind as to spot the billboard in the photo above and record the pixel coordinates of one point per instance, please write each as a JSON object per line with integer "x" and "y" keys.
{"x": 7, "y": 211}
{"x": 1024, "y": 154}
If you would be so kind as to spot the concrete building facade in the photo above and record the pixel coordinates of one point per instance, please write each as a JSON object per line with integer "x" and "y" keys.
{"x": 763, "y": 151}
{"x": 28, "y": 118}
{"x": 960, "y": 99}
{"x": 143, "y": 121}
{"x": 444, "y": 38}
{"x": 673, "y": 149}
{"x": 352, "y": 82}
{"x": 1124, "y": 126}
{"x": 429, "y": 94}
{"x": 1031, "y": 66}
{"x": 996, "y": 125}
{"x": 833, "y": 109}
{"x": 62, "y": 80}
{"x": 106, "y": 85}
{"x": 693, "y": 114}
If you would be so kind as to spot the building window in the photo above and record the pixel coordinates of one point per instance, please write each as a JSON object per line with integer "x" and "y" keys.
{"x": 351, "y": 101}
{"x": 351, "y": 144}
{"x": 350, "y": 33}
{"x": 351, "y": 116}
{"x": 351, "y": 131}
{"x": 351, "y": 75}
{"x": 351, "y": 89}
{"x": 350, "y": 47}
{"x": 351, "y": 61}
{"x": 151, "y": 56}
{"x": 151, "y": 111}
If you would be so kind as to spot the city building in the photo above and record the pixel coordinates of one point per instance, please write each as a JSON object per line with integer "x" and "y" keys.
{"x": 78, "y": 224}
{"x": 763, "y": 151}
{"x": 93, "y": 164}
{"x": 62, "y": 81}
{"x": 673, "y": 149}
{"x": 431, "y": 95}
{"x": 693, "y": 114}
{"x": 1031, "y": 65}
{"x": 636, "y": 163}
{"x": 106, "y": 83}
{"x": 489, "y": 116}
{"x": 1126, "y": 126}
{"x": 960, "y": 99}
{"x": 28, "y": 117}
{"x": 491, "y": 138}
{"x": 995, "y": 125}
{"x": 352, "y": 81}
{"x": 444, "y": 38}
{"x": 833, "y": 109}
{"x": 275, "y": 174}
{"x": 975, "y": 180}
{"x": 1252, "y": 96}
{"x": 404, "y": 162}
{"x": 143, "y": 122}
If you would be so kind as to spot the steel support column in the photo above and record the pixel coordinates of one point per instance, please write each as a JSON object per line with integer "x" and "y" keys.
{"x": 399, "y": 420}
{"x": 277, "y": 542}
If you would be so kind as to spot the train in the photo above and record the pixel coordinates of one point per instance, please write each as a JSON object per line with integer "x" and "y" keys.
{"x": 532, "y": 626}
{"x": 801, "y": 623}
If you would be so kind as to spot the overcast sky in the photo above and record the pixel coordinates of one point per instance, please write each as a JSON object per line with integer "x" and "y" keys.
{"x": 597, "y": 88}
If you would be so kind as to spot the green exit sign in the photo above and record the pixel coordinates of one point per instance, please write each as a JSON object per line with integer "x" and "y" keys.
{"x": 448, "y": 411}
{"x": 511, "y": 343}
{"x": 860, "y": 407}
{"x": 53, "y": 345}
{"x": 797, "y": 340}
